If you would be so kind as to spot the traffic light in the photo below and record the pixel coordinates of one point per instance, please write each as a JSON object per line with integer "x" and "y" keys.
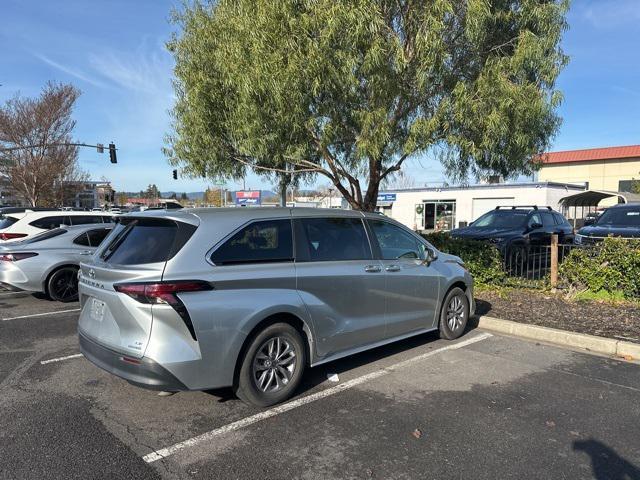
{"x": 112, "y": 153}
{"x": 175, "y": 174}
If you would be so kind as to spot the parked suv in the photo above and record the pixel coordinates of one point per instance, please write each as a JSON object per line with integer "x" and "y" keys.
{"x": 196, "y": 299}
{"x": 17, "y": 226}
{"x": 518, "y": 228}
{"x": 619, "y": 221}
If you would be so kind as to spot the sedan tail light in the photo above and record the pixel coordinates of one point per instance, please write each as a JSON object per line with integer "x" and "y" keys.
{"x": 165, "y": 293}
{"x": 14, "y": 257}
{"x": 12, "y": 236}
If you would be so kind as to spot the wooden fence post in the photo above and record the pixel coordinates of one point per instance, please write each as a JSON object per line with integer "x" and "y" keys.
{"x": 554, "y": 260}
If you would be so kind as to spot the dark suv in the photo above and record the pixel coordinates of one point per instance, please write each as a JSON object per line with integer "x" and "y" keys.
{"x": 618, "y": 221}
{"x": 517, "y": 228}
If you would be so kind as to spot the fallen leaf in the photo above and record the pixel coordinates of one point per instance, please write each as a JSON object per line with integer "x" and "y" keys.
{"x": 417, "y": 433}
{"x": 574, "y": 433}
{"x": 550, "y": 423}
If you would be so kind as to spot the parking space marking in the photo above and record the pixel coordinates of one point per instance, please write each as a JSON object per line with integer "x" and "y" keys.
{"x": 237, "y": 425}
{"x": 60, "y": 359}
{"x": 55, "y": 312}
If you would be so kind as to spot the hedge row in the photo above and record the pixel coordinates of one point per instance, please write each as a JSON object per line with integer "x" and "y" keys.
{"x": 482, "y": 259}
{"x": 612, "y": 266}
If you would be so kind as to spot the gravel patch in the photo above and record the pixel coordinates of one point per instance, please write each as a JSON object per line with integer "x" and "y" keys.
{"x": 620, "y": 321}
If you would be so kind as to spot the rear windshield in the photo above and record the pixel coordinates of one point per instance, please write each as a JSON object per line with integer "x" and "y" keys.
{"x": 623, "y": 217}
{"x": 6, "y": 221}
{"x": 43, "y": 236}
{"x": 149, "y": 240}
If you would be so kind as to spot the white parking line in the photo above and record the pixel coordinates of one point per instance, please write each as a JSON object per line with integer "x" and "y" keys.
{"x": 165, "y": 452}
{"x": 60, "y": 359}
{"x": 55, "y": 312}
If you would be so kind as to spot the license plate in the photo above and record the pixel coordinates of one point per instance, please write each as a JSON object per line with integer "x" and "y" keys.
{"x": 96, "y": 310}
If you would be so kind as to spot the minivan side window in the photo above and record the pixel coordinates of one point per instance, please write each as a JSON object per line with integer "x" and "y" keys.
{"x": 49, "y": 223}
{"x": 547, "y": 219}
{"x": 395, "y": 243}
{"x": 331, "y": 239}
{"x": 260, "y": 241}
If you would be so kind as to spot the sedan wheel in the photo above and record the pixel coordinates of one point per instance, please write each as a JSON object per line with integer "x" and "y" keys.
{"x": 63, "y": 285}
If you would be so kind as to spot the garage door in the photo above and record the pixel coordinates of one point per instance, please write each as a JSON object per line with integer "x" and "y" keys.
{"x": 483, "y": 205}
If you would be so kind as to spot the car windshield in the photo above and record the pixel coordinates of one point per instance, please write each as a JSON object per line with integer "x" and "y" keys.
{"x": 623, "y": 217}
{"x": 502, "y": 219}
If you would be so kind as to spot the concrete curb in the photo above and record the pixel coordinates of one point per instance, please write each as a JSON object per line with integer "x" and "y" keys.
{"x": 608, "y": 346}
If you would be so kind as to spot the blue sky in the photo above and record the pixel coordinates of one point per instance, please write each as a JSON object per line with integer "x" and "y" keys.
{"x": 114, "y": 52}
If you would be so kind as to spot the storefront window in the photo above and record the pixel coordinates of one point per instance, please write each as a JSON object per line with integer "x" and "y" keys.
{"x": 439, "y": 215}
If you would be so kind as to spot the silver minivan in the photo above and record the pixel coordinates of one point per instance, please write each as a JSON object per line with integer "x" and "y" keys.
{"x": 199, "y": 299}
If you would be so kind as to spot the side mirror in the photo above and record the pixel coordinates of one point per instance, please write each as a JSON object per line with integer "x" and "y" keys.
{"x": 589, "y": 221}
{"x": 535, "y": 226}
{"x": 430, "y": 256}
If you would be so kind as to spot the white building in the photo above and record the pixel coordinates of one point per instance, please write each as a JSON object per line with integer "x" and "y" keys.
{"x": 444, "y": 208}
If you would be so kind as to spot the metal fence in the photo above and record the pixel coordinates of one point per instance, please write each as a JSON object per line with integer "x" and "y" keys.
{"x": 534, "y": 265}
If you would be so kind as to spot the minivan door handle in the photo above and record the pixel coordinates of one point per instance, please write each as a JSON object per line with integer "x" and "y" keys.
{"x": 372, "y": 268}
{"x": 86, "y": 252}
{"x": 393, "y": 268}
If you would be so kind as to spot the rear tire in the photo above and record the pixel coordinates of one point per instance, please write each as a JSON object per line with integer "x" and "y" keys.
{"x": 62, "y": 285}
{"x": 272, "y": 366}
{"x": 454, "y": 314}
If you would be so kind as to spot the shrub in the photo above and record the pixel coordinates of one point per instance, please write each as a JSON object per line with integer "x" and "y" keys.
{"x": 482, "y": 259}
{"x": 612, "y": 266}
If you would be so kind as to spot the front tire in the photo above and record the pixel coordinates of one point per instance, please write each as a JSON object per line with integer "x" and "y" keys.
{"x": 454, "y": 314}
{"x": 62, "y": 285}
{"x": 272, "y": 366}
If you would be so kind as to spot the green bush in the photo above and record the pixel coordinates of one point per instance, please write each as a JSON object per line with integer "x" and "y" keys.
{"x": 612, "y": 266}
{"x": 482, "y": 259}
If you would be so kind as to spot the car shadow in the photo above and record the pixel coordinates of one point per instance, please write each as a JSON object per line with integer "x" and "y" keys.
{"x": 605, "y": 462}
{"x": 315, "y": 376}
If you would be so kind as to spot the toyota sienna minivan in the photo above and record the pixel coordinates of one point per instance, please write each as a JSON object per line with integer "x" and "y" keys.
{"x": 199, "y": 299}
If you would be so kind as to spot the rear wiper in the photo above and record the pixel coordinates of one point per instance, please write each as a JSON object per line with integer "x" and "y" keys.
{"x": 113, "y": 246}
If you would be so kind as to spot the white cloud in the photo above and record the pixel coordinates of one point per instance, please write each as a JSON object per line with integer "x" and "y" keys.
{"x": 70, "y": 71}
{"x": 612, "y": 13}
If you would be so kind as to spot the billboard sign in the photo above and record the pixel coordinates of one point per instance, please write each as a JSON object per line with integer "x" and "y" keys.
{"x": 248, "y": 197}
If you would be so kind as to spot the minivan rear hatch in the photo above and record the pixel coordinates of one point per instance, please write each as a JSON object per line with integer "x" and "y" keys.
{"x": 135, "y": 252}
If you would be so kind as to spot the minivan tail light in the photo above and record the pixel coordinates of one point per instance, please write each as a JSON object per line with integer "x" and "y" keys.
{"x": 14, "y": 257}
{"x": 11, "y": 236}
{"x": 165, "y": 293}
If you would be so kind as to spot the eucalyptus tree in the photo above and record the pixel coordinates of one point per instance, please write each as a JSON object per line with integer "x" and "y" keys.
{"x": 351, "y": 89}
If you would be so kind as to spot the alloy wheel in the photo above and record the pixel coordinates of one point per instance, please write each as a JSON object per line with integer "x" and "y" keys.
{"x": 274, "y": 364}
{"x": 455, "y": 313}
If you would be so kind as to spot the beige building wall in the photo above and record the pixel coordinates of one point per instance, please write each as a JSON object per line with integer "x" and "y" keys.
{"x": 601, "y": 174}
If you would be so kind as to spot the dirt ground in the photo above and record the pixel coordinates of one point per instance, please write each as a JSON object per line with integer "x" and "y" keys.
{"x": 620, "y": 321}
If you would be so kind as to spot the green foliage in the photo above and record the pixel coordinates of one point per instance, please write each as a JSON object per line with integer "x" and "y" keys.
{"x": 350, "y": 89}
{"x": 612, "y": 266}
{"x": 482, "y": 259}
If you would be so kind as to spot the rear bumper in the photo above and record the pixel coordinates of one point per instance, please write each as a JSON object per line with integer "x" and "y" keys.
{"x": 147, "y": 374}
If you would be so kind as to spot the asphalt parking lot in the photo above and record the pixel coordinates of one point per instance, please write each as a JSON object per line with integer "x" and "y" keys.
{"x": 484, "y": 406}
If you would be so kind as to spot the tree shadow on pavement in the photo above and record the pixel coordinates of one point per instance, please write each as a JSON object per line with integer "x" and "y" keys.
{"x": 605, "y": 462}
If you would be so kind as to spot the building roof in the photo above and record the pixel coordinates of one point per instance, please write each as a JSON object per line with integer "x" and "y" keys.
{"x": 590, "y": 154}
{"x": 487, "y": 186}
{"x": 592, "y": 198}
